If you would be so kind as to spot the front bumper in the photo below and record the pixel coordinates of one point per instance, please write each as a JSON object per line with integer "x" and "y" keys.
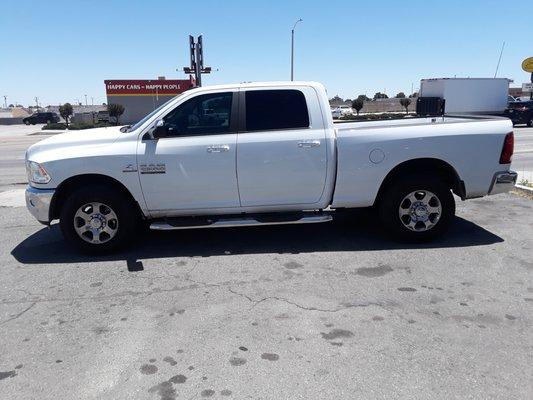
{"x": 38, "y": 202}
{"x": 503, "y": 182}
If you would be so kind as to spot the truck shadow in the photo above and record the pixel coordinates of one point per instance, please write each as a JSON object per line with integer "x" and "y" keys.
{"x": 353, "y": 232}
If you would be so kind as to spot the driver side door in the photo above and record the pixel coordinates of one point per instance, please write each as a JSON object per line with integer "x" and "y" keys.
{"x": 192, "y": 165}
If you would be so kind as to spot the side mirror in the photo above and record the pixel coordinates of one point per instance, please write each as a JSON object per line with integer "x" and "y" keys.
{"x": 159, "y": 130}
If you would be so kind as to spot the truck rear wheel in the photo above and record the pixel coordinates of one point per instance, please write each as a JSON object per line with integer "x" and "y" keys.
{"x": 97, "y": 219}
{"x": 417, "y": 208}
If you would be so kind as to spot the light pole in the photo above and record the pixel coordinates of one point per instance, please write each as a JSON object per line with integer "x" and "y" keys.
{"x": 5, "y": 101}
{"x": 85, "y": 100}
{"x": 292, "y": 48}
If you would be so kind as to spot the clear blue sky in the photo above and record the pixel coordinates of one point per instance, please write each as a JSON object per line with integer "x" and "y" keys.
{"x": 61, "y": 50}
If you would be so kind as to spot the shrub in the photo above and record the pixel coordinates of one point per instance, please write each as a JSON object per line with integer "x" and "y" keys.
{"x": 81, "y": 125}
{"x": 374, "y": 117}
{"x": 58, "y": 126}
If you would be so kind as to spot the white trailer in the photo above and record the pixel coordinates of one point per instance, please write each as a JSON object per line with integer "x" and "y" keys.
{"x": 468, "y": 95}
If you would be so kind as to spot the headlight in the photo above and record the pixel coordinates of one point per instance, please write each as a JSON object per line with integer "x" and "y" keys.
{"x": 37, "y": 173}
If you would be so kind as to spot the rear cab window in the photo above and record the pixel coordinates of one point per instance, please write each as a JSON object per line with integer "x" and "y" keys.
{"x": 276, "y": 109}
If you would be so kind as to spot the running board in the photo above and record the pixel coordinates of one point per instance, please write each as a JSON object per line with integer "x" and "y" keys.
{"x": 241, "y": 220}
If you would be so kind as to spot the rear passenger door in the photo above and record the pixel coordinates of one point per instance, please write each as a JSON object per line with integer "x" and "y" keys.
{"x": 281, "y": 149}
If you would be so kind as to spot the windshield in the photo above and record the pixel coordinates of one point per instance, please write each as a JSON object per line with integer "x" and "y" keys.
{"x": 142, "y": 121}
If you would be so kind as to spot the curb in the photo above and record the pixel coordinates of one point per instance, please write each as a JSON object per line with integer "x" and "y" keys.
{"x": 524, "y": 191}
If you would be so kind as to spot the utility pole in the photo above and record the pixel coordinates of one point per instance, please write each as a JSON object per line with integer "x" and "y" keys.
{"x": 531, "y": 93}
{"x": 36, "y": 101}
{"x": 292, "y": 48}
{"x": 197, "y": 68}
{"x": 92, "y": 101}
{"x": 86, "y": 100}
{"x": 499, "y": 60}
{"x": 5, "y": 101}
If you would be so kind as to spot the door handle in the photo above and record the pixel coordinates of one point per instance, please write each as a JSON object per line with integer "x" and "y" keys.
{"x": 218, "y": 149}
{"x": 309, "y": 143}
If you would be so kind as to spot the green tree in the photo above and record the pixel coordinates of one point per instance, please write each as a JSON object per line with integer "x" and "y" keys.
{"x": 405, "y": 104}
{"x": 357, "y": 105}
{"x": 413, "y": 95}
{"x": 363, "y": 97}
{"x": 400, "y": 95}
{"x": 66, "y": 111}
{"x": 336, "y": 101}
{"x": 115, "y": 110}
{"x": 380, "y": 95}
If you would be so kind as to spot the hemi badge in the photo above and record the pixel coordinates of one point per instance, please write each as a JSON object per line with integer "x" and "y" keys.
{"x": 130, "y": 168}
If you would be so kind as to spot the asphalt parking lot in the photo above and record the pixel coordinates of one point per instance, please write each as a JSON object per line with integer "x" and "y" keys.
{"x": 328, "y": 311}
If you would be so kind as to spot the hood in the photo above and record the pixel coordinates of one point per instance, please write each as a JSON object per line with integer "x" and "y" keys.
{"x": 65, "y": 142}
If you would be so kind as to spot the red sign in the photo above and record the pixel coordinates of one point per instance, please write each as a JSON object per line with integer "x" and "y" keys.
{"x": 154, "y": 87}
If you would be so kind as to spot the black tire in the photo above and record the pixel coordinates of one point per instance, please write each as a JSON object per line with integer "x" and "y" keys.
{"x": 126, "y": 212}
{"x": 530, "y": 122}
{"x": 394, "y": 195}
{"x": 26, "y": 122}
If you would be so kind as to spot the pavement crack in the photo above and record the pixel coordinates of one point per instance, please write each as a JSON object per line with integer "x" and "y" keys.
{"x": 18, "y": 315}
{"x": 302, "y": 307}
{"x": 126, "y": 293}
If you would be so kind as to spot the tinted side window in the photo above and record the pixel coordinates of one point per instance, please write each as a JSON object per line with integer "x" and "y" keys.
{"x": 201, "y": 115}
{"x": 276, "y": 109}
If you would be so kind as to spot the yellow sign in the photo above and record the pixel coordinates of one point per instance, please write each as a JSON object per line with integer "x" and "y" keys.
{"x": 527, "y": 64}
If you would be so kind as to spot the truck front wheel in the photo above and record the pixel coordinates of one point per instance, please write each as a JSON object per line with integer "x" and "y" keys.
{"x": 417, "y": 208}
{"x": 97, "y": 218}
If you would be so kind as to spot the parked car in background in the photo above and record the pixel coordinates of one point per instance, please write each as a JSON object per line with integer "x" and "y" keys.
{"x": 41, "y": 118}
{"x": 102, "y": 116}
{"x": 520, "y": 112}
{"x": 336, "y": 113}
{"x": 340, "y": 111}
{"x": 271, "y": 156}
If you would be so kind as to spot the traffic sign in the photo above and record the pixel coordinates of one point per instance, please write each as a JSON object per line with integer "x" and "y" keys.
{"x": 527, "y": 64}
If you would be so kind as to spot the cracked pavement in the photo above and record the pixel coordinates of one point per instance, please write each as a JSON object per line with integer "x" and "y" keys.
{"x": 291, "y": 312}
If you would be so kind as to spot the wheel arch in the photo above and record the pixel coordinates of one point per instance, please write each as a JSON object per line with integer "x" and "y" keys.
{"x": 74, "y": 182}
{"x": 427, "y": 165}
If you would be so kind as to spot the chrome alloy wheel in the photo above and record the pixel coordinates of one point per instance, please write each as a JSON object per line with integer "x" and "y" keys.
{"x": 420, "y": 210}
{"x": 96, "y": 223}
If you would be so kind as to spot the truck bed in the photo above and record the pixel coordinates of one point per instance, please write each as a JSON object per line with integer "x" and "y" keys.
{"x": 368, "y": 150}
{"x": 413, "y": 121}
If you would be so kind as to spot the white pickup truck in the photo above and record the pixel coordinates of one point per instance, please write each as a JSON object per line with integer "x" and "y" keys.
{"x": 261, "y": 154}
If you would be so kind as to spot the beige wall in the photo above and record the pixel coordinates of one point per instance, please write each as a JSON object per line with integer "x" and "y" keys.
{"x": 386, "y": 105}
